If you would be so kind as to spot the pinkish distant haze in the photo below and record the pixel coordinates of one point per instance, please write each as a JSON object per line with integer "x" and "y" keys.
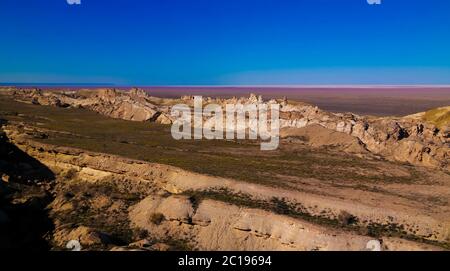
{"x": 367, "y": 100}
{"x": 381, "y": 101}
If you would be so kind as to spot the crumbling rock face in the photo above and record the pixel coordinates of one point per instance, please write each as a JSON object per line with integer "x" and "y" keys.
{"x": 133, "y": 105}
{"x": 216, "y": 225}
{"x": 405, "y": 139}
{"x": 401, "y": 139}
{"x": 210, "y": 224}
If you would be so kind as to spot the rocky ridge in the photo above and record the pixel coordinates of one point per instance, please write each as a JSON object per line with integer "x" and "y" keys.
{"x": 163, "y": 187}
{"x": 134, "y": 105}
{"x": 408, "y": 139}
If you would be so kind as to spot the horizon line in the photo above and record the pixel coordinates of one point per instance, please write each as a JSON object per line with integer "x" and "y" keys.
{"x": 5, "y": 84}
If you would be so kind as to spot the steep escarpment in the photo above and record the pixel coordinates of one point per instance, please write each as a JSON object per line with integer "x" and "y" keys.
{"x": 44, "y": 208}
{"x": 109, "y": 201}
{"x": 215, "y": 225}
{"x": 423, "y": 141}
{"x": 402, "y": 139}
{"x": 134, "y": 105}
{"x": 211, "y": 211}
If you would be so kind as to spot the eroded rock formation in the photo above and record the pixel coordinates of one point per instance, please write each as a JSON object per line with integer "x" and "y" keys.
{"x": 134, "y": 105}
{"x": 408, "y": 139}
{"x": 401, "y": 139}
{"x": 170, "y": 207}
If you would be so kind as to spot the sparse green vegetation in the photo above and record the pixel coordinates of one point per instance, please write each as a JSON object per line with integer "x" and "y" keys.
{"x": 275, "y": 205}
{"x": 241, "y": 160}
{"x": 438, "y": 116}
{"x": 344, "y": 221}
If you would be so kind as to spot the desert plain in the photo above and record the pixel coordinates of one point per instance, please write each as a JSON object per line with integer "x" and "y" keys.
{"x": 100, "y": 166}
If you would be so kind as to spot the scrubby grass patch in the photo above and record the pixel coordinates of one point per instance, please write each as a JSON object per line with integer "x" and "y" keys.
{"x": 240, "y": 160}
{"x": 343, "y": 221}
{"x": 438, "y": 116}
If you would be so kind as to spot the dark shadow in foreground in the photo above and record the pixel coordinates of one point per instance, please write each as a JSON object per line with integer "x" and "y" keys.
{"x": 24, "y": 220}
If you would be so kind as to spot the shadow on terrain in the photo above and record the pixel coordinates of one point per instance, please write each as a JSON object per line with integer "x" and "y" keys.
{"x": 24, "y": 220}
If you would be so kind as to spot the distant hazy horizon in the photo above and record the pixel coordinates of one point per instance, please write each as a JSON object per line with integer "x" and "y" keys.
{"x": 365, "y": 100}
{"x": 63, "y": 85}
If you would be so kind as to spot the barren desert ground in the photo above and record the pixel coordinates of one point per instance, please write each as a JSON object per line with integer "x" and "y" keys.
{"x": 100, "y": 166}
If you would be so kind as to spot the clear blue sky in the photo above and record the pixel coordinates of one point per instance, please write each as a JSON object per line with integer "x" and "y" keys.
{"x": 220, "y": 42}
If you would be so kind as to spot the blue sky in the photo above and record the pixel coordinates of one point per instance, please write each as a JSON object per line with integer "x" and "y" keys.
{"x": 225, "y": 42}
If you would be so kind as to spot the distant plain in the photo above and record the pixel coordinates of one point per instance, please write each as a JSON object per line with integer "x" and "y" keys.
{"x": 378, "y": 101}
{"x": 367, "y": 100}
